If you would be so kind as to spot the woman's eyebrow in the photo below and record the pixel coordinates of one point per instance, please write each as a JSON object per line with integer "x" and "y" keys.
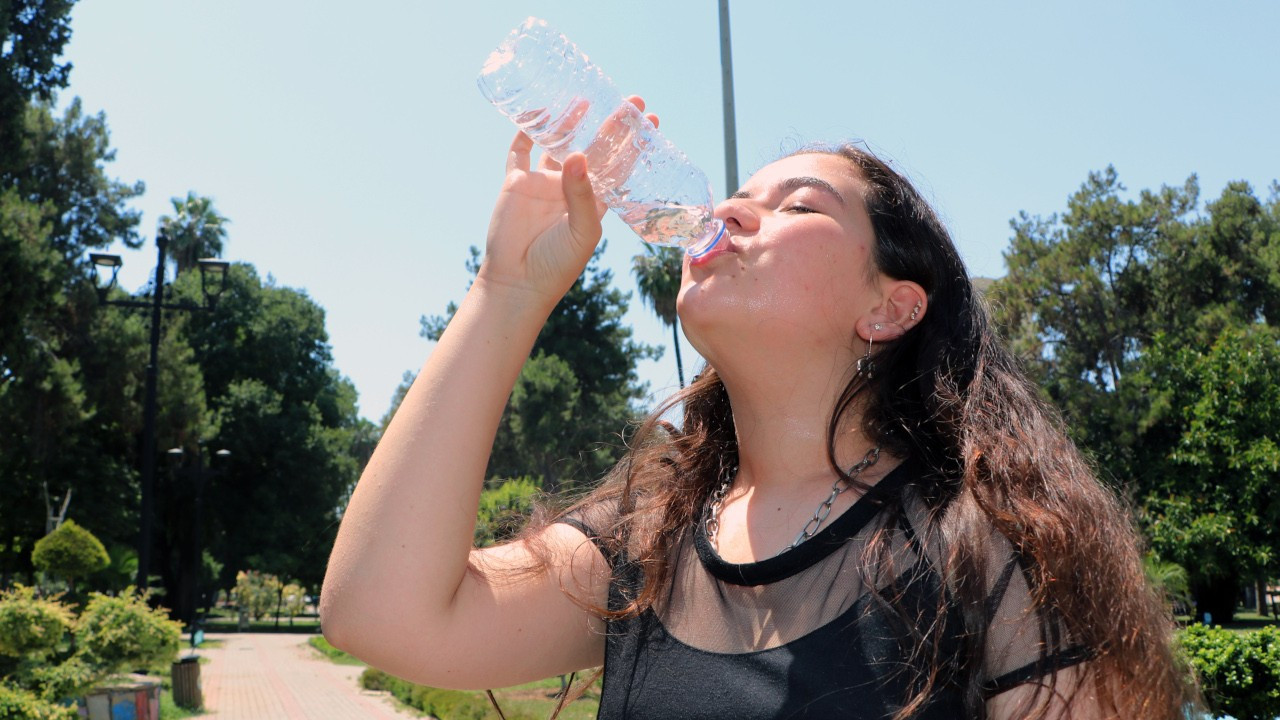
{"x": 802, "y": 181}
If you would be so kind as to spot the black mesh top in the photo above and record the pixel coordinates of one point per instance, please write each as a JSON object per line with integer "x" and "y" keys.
{"x": 800, "y": 635}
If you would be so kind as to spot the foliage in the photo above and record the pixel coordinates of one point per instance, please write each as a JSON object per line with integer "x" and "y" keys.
{"x": 195, "y": 231}
{"x": 31, "y": 626}
{"x": 16, "y": 704}
{"x": 255, "y": 376}
{"x": 332, "y": 653}
{"x": 122, "y": 632}
{"x": 32, "y": 35}
{"x": 70, "y": 372}
{"x": 577, "y": 391}
{"x": 1148, "y": 322}
{"x": 1169, "y": 579}
{"x": 504, "y": 510}
{"x": 70, "y": 551}
{"x": 257, "y": 593}
{"x": 1214, "y": 509}
{"x": 1239, "y": 672}
{"x": 288, "y": 417}
{"x": 294, "y": 600}
{"x": 442, "y": 704}
{"x": 52, "y": 655}
{"x": 657, "y": 274}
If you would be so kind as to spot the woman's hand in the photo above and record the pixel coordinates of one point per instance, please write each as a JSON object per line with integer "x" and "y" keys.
{"x": 545, "y": 224}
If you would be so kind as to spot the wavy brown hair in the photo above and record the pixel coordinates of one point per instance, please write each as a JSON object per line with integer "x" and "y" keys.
{"x": 994, "y": 457}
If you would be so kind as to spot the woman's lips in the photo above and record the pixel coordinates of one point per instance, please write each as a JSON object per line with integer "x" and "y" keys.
{"x": 724, "y": 246}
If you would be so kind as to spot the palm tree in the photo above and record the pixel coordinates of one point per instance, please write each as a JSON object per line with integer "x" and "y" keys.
{"x": 658, "y": 280}
{"x": 195, "y": 231}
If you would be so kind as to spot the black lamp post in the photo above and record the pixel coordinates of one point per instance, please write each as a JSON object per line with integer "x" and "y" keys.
{"x": 191, "y": 549}
{"x": 212, "y": 282}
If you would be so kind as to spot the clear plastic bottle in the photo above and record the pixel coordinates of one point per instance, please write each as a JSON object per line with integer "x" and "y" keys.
{"x": 552, "y": 92}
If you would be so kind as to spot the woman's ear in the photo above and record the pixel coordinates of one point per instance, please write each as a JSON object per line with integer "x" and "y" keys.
{"x": 905, "y": 304}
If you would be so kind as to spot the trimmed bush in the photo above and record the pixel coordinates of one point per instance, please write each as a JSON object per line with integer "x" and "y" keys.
{"x": 70, "y": 551}
{"x": 1239, "y": 672}
{"x": 123, "y": 633}
{"x": 30, "y": 626}
{"x": 22, "y": 705}
{"x": 113, "y": 634}
{"x": 442, "y": 704}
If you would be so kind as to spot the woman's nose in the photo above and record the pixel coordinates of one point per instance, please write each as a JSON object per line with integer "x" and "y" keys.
{"x": 737, "y": 215}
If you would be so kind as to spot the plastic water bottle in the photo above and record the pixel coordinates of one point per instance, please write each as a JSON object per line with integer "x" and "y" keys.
{"x": 552, "y": 92}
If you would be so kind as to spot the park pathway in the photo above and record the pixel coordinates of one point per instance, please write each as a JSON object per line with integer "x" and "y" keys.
{"x": 265, "y": 676}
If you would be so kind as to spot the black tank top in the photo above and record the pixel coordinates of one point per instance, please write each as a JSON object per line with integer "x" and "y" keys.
{"x": 800, "y": 635}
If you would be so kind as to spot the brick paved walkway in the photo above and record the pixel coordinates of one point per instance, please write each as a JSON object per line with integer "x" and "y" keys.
{"x": 268, "y": 676}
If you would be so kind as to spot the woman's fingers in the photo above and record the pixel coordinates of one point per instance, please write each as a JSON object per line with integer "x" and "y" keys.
{"x": 584, "y": 213}
{"x": 546, "y": 162}
{"x": 640, "y": 105}
{"x": 518, "y": 155}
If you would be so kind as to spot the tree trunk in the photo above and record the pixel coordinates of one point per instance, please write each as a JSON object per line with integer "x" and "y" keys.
{"x": 1262, "y": 595}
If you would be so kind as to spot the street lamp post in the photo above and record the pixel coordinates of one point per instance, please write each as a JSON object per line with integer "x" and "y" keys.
{"x": 211, "y": 271}
{"x": 192, "y": 545}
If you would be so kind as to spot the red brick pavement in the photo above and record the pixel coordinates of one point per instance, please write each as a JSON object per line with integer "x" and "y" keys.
{"x": 268, "y": 676}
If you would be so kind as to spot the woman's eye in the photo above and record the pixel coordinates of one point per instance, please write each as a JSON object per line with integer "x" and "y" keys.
{"x": 796, "y": 208}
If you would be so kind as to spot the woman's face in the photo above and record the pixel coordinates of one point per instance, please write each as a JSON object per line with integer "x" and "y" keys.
{"x": 795, "y": 266}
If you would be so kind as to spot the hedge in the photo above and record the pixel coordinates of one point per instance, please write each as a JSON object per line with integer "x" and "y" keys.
{"x": 1239, "y": 672}
{"x": 442, "y": 704}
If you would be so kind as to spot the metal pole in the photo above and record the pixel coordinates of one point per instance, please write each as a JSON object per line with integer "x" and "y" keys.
{"x": 149, "y": 421}
{"x": 726, "y": 86}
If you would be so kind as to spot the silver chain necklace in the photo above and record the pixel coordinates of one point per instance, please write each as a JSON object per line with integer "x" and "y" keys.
{"x": 712, "y": 521}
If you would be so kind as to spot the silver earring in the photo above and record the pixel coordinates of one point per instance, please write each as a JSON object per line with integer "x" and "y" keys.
{"x": 864, "y": 366}
{"x": 915, "y": 311}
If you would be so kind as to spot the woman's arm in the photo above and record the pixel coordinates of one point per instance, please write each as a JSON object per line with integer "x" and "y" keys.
{"x": 404, "y": 590}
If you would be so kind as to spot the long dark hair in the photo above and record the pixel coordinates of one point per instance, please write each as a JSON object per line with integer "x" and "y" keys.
{"x": 994, "y": 457}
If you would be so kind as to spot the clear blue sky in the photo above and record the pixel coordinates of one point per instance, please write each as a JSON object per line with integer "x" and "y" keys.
{"x": 357, "y": 161}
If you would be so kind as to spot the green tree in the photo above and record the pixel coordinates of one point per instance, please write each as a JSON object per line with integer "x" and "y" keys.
{"x": 67, "y": 371}
{"x": 577, "y": 392}
{"x": 289, "y": 419}
{"x": 70, "y": 552}
{"x": 657, "y": 274}
{"x": 1216, "y": 510}
{"x": 195, "y": 231}
{"x": 32, "y": 35}
{"x": 1100, "y": 303}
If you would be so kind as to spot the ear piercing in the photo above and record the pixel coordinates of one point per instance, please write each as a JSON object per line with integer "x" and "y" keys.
{"x": 916, "y": 310}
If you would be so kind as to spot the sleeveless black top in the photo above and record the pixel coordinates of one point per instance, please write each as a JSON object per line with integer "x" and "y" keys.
{"x": 801, "y": 635}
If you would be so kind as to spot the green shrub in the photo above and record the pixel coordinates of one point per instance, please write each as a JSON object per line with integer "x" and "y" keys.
{"x": 21, "y": 705}
{"x": 123, "y": 633}
{"x": 63, "y": 680}
{"x": 504, "y": 510}
{"x": 30, "y": 626}
{"x": 1240, "y": 672}
{"x": 442, "y": 704}
{"x": 70, "y": 551}
{"x": 374, "y": 679}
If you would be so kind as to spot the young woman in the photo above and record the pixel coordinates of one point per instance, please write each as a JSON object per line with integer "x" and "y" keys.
{"x": 867, "y": 511}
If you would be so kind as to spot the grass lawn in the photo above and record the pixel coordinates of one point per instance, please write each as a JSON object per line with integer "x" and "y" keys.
{"x": 170, "y": 711}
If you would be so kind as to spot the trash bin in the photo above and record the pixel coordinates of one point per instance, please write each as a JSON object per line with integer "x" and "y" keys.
{"x": 186, "y": 684}
{"x": 138, "y": 700}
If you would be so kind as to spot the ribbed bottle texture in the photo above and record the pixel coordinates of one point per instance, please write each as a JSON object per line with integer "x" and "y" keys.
{"x": 552, "y": 92}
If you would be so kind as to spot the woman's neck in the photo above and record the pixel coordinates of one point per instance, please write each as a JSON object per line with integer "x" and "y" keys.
{"x": 782, "y": 419}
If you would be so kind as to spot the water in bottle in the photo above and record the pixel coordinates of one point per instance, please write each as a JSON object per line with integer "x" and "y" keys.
{"x": 552, "y": 92}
